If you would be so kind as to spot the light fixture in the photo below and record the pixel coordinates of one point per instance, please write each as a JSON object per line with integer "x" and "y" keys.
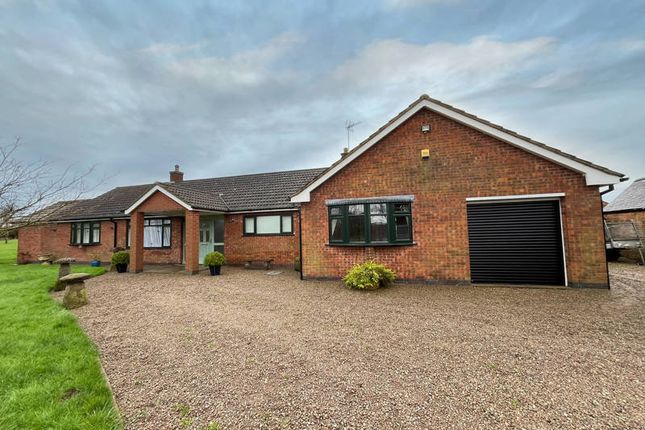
{"x": 425, "y": 128}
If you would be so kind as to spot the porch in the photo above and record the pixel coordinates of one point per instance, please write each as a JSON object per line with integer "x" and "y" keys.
{"x": 161, "y": 222}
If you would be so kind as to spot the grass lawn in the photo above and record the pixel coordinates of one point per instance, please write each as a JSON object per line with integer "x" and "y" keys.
{"x": 50, "y": 376}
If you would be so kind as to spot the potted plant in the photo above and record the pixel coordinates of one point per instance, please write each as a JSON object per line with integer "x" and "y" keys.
{"x": 96, "y": 261}
{"x": 214, "y": 261}
{"x": 120, "y": 259}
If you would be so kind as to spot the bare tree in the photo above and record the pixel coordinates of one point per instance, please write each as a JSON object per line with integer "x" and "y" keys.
{"x": 27, "y": 189}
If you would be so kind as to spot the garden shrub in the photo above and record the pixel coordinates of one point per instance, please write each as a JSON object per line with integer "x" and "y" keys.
{"x": 369, "y": 276}
{"x": 215, "y": 258}
{"x": 120, "y": 257}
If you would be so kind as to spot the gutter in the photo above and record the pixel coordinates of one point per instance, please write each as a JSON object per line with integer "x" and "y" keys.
{"x": 116, "y": 226}
{"x": 302, "y": 276}
{"x": 609, "y": 189}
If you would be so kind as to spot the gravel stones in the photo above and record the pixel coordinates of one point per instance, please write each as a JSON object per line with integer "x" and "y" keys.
{"x": 246, "y": 350}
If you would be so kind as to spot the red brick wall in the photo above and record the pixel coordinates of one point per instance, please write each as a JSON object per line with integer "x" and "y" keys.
{"x": 463, "y": 163}
{"x": 159, "y": 204}
{"x": 53, "y": 239}
{"x": 35, "y": 241}
{"x": 192, "y": 242}
{"x": 239, "y": 248}
{"x": 638, "y": 217}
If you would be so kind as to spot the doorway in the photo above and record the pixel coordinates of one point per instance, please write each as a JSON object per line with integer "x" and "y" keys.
{"x": 211, "y": 235}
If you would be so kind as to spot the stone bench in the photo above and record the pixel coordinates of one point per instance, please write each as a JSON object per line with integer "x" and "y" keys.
{"x": 75, "y": 291}
{"x": 65, "y": 266}
{"x": 64, "y": 269}
{"x": 45, "y": 260}
{"x": 259, "y": 264}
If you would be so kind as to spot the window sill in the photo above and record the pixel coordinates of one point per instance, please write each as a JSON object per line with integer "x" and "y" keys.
{"x": 370, "y": 245}
{"x": 84, "y": 244}
{"x": 156, "y": 247}
{"x": 268, "y": 234}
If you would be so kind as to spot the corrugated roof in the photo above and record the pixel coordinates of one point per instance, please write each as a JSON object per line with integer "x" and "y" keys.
{"x": 632, "y": 199}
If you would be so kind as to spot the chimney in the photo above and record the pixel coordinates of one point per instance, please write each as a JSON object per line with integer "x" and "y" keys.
{"x": 344, "y": 153}
{"x": 176, "y": 175}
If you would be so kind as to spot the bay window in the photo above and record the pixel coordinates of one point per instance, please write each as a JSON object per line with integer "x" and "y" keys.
{"x": 370, "y": 222}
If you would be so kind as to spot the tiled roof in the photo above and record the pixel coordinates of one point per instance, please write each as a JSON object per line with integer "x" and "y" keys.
{"x": 107, "y": 205}
{"x": 261, "y": 191}
{"x": 246, "y": 192}
{"x": 632, "y": 199}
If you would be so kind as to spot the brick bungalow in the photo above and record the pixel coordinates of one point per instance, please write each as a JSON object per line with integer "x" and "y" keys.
{"x": 437, "y": 194}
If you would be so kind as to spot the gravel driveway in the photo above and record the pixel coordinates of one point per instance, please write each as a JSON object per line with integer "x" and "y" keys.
{"x": 248, "y": 350}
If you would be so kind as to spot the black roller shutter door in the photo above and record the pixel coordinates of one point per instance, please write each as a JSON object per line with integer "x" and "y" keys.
{"x": 516, "y": 243}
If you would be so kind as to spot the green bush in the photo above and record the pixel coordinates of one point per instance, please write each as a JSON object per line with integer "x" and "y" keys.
{"x": 369, "y": 276}
{"x": 120, "y": 257}
{"x": 214, "y": 259}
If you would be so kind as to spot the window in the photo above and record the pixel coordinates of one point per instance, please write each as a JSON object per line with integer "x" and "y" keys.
{"x": 370, "y": 224}
{"x": 85, "y": 233}
{"x": 268, "y": 225}
{"x": 157, "y": 233}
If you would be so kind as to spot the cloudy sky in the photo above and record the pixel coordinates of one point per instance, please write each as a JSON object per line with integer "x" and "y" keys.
{"x": 226, "y": 88}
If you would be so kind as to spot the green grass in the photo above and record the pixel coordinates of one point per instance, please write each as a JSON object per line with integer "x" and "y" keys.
{"x": 50, "y": 376}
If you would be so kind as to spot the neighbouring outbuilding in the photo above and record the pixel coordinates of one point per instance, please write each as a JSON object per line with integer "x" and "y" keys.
{"x": 629, "y": 206}
{"x": 436, "y": 194}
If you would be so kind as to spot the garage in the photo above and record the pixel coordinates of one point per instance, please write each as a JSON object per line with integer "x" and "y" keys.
{"x": 516, "y": 242}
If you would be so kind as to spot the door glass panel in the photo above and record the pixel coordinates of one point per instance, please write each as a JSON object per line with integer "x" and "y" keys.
{"x": 218, "y": 233}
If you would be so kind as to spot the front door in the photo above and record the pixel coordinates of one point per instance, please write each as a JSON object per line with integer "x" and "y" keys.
{"x": 211, "y": 235}
{"x": 205, "y": 237}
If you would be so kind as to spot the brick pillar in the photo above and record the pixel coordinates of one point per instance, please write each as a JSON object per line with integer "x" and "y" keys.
{"x": 192, "y": 242}
{"x": 136, "y": 242}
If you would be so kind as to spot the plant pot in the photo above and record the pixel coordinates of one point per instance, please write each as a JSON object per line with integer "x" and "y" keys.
{"x": 121, "y": 268}
{"x": 215, "y": 270}
{"x": 95, "y": 263}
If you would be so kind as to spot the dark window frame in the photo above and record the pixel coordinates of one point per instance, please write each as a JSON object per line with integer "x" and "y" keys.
{"x": 162, "y": 225}
{"x": 76, "y": 241}
{"x": 128, "y": 232}
{"x": 391, "y": 214}
{"x": 255, "y": 225}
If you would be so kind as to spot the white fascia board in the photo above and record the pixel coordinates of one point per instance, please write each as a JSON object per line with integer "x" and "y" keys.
{"x": 523, "y": 197}
{"x": 592, "y": 175}
{"x": 151, "y": 192}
